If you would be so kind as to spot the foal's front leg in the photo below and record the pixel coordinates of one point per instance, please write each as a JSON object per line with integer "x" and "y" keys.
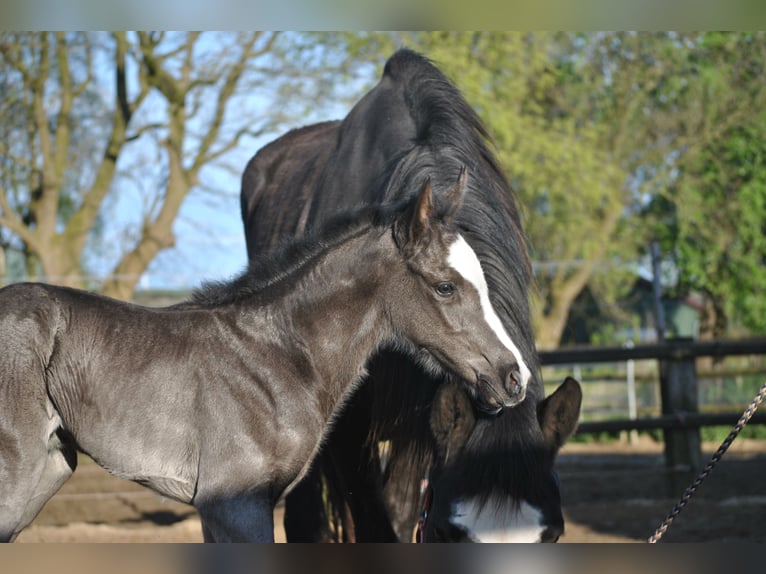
{"x": 243, "y": 518}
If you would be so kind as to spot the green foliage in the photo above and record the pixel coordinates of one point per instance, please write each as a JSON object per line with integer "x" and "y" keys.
{"x": 714, "y": 434}
{"x": 721, "y": 212}
{"x": 590, "y": 438}
{"x": 577, "y": 121}
{"x": 712, "y": 215}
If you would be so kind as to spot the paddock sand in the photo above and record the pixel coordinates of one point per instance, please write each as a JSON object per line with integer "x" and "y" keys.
{"x": 613, "y": 492}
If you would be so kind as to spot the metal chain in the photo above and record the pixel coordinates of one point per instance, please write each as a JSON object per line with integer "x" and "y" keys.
{"x": 746, "y": 416}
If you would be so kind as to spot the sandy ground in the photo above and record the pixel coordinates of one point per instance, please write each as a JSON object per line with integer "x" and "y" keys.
{"x": 611, "y": 493}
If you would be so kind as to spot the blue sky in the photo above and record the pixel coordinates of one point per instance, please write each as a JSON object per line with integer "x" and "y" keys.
{"x": 210, "y": 240}
{"x": 210, "y": 244}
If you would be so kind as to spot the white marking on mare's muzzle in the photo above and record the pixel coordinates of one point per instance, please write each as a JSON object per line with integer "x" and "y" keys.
{"x": 517, "y": 524}
{"x": 465, "y": 261}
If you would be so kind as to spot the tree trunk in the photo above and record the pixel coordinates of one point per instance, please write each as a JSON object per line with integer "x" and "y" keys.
{"x": 61, "y": 266}
{"x": 550, "y": 325}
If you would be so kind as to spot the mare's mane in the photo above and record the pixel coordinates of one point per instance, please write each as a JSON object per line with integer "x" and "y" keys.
{"x": 448, "y": 132}
{"x": 442, "y": 116}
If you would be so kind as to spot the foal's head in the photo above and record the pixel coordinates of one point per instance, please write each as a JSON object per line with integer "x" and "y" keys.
{"x": 443, "y": 304}
{"x": 485, "y": 490}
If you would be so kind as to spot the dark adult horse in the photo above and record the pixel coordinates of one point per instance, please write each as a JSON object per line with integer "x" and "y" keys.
{"x": 222, "y": 402}
{"x": 495, "y": 478}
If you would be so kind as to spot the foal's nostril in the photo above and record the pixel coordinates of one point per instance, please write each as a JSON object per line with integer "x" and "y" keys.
{"x": 512, "y": 380}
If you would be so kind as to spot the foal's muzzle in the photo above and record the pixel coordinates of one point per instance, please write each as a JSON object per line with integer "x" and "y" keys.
{"x": 492, "y": 397}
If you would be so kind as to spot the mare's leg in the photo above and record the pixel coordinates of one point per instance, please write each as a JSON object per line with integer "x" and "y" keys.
{"x": 237, "y": 519}
{"x": 306, "y": 519}
{"x": 355, "y": 464}
{"x": 353, "y": 479}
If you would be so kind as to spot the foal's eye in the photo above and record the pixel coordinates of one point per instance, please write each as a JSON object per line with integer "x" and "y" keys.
{"x": 445, "y": 289}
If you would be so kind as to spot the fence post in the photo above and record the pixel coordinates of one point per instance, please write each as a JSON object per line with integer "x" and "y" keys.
{"x": 630, "y": 375}
{"x": 678, "y": 391}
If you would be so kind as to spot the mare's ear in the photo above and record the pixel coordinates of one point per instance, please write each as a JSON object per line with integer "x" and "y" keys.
{"x": 559, "y": 412}
{"x": 452, "y": 420}
{"x": 455, "y": 194}
{"x": 414, "y": 229}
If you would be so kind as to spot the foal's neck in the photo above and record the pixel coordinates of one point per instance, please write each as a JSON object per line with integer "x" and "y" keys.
{"x": 338, "y": 310}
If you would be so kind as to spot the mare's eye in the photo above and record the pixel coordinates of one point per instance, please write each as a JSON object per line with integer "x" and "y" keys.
{"x": 445, "y": 289}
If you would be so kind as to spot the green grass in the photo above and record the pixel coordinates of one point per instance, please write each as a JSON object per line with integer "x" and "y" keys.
{"x": 719, "y": 433}
{"x": 707, "y": 434}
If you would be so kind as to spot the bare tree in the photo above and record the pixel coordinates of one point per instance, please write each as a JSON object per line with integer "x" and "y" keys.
{"x": 89, "y": 113}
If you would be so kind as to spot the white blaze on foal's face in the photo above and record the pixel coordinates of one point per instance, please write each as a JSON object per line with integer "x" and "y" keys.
{"x": 522, "y": 524}
{"x": 464, "y": 260}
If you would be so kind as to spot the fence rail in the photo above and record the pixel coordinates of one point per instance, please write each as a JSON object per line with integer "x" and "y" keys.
{"x": 680, "y": 420}
{"x": 672, "y": 349}
{"x": 671, "y": 421}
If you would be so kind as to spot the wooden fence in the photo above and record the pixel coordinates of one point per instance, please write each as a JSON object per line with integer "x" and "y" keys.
{"x": 680, "y": 420}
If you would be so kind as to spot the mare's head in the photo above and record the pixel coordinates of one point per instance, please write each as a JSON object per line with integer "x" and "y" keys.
{"x": 485, "y": 490}
{"x": 443, "y": 304}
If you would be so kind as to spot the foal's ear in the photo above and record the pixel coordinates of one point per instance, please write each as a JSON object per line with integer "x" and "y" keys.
{"x": 452, "y": 420}
{"x": 414, "y": 229}
{"x": 559, "y": 412}
{"x": 455, "y": 194}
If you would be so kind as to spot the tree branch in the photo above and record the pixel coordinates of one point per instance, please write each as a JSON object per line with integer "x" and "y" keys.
{"x": 121, "y": 50}
{"x": 45, "y": 207}
{"x": 10, "y": 220}
{"x": 156, "y": 75}
{"x": 19, "y": 160}
{"x": 156, "y": 234}
{"x": 11, "y": 52}
{"x": 62, "y": 132}
{"x": 227, "y": 91}
{"x": 82, "y": 221}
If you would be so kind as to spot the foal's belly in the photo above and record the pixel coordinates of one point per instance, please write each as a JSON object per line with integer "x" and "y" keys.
{"x": 262, "y": 459}
{"x": 168, "y": 467}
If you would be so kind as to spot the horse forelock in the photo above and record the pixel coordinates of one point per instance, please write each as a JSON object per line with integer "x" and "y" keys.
{"x": 506, "y": 459}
